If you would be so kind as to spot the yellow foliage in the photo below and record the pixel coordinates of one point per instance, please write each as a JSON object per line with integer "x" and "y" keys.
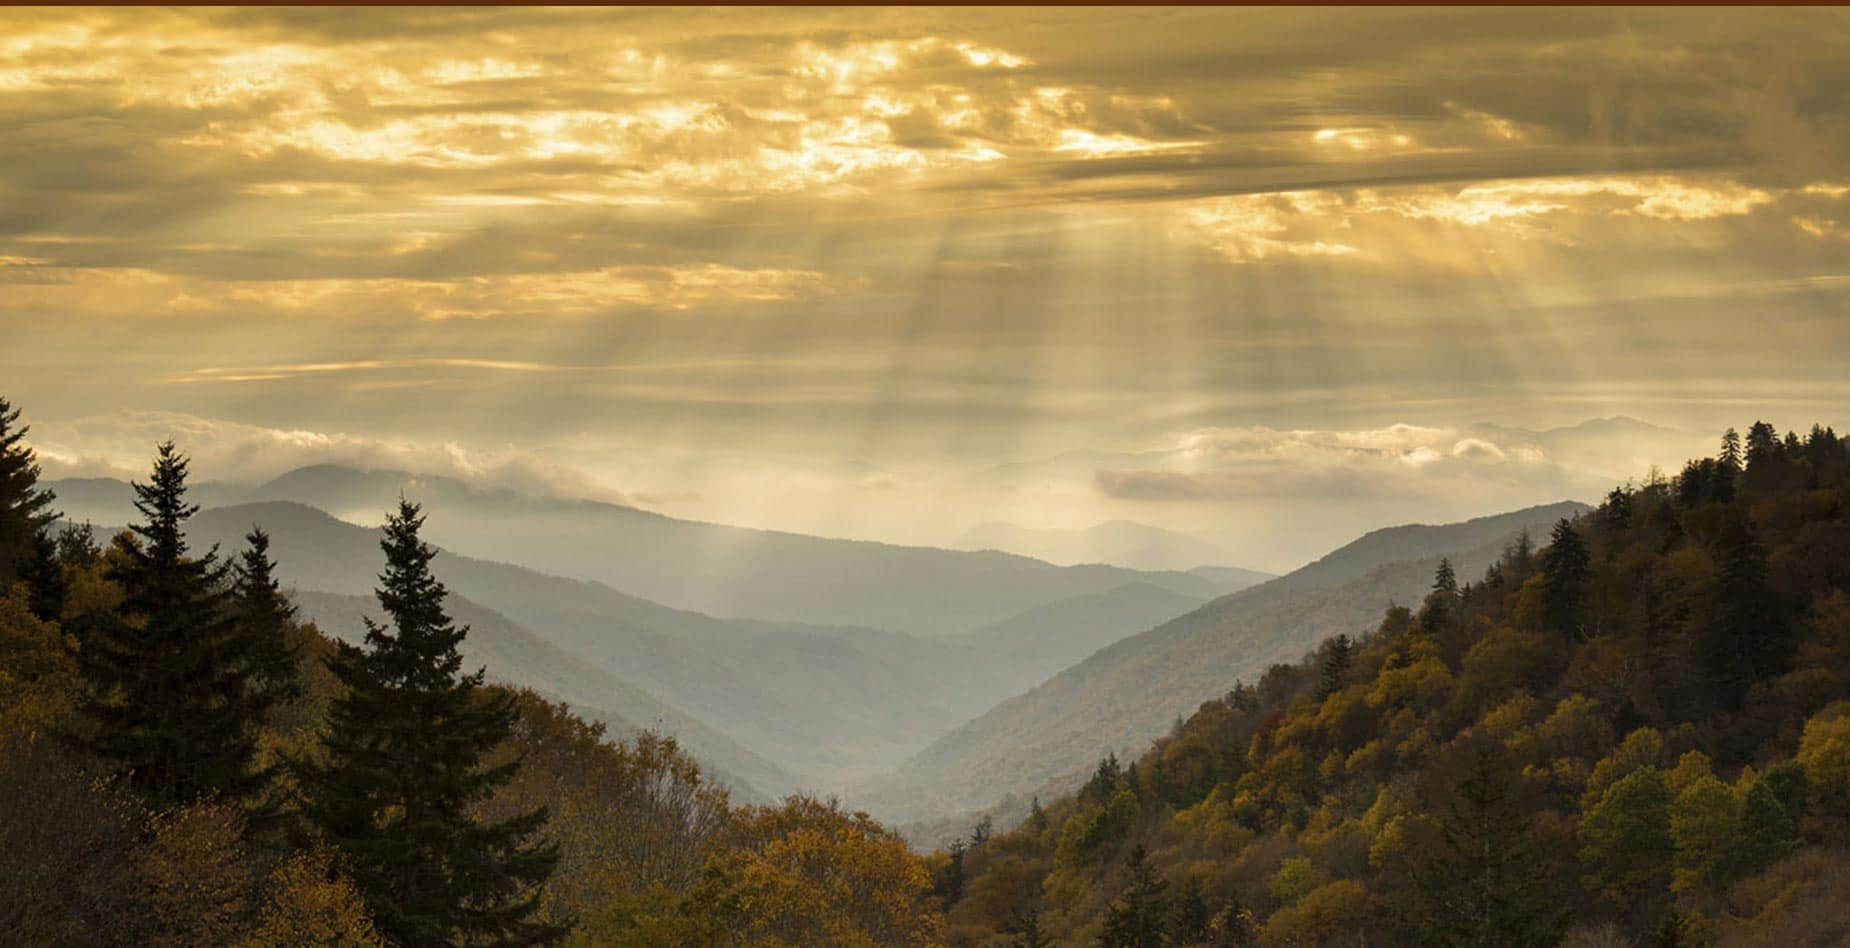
{"x": 195, "y": 887}
{"x": 808, "y": 872}
{"x": 1294, "y": 878}
{"x": 1702, "y": 826}
{"x": 1577, "y": 728}
{"x": 1321, "y": 916}
{"x": 38, "y": 675}
{"x": 1691, "y": 767}
{"x": 1643, "y": 747}
{"x": 1508, "y": 722}
{"x": 306, "y": 902}
{"x": 1824, "y": 753}
{"x": 1423, "y": 683}
{"x": 1212, "y": 822}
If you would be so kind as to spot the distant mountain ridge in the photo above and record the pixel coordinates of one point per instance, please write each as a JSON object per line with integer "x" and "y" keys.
{"x": 713, "y": 569}
{"x": 1117, "y": 542}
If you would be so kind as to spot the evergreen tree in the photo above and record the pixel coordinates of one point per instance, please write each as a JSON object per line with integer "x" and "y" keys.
{"x": 1618, "y": 509}
{"x": 1025, "y": 931}
{"x": 1673, "y": 932}
{"x": 265, "y": 618}
{"x": 1139, "y": 918}
{"x": 1744, "y": 636}
{"x": 1486, "y": 886}
{"x": 1823, "y": 449}
{"x": 1037, "y": 817}
{"x": 404, "y": 758}
{"x": 1493, "y": 576}
{"x": 1767, "y": 461}
{"x": 1444, "y": 580}
{"x": 1233, "y": 926}
{"x": 1336, "y": 658}
{"x": 980, "y": 833}
{"x": 44, "y": 577}
{"x": 1693, "y": 484}
{"x": 1437, "y": 608}
{"x": 1565, "y": 567}
{"x": 1159, "y": 780}
{"x": 1104, "y": 781}
{"x": 77, "y": 545}
{"x": 1518, "y": 559}
{"x": 1191, "y": 915}
{"x": 1762, "y": 444}
{"x": 951, "y": 883}
{"x": 1730, "y": 457}
{"x": 25, "y": 508}
{"x": 166, "y": 676}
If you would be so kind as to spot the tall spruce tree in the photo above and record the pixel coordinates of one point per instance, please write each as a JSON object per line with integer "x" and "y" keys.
{"x": 1436, "y": 610}
{"x": 950, "y": 884}
{"x": 44, "y": 575}
{"x": 1487, "y": 885}
{"x": 1024, "y": 931}
{"x": 1730, "y": 456}
{"x": 77, "y": 545}
{"x": 265, "y": 617}
{"x": 1618, "y": 509}
{"x": 1037, "y": 817}
{"x": 1565, "y": 567}
{"x": 1336, "y": 658}
{"x": 25, "y": 508}
{"x": 404, "y": 758}
{"x": 1445, "y": 579}
{"x": 1192, "y": 917}
{"x": 167, "y": 674}
{"x": 1139, "y": 918}
{"x": 1745, "y": 635}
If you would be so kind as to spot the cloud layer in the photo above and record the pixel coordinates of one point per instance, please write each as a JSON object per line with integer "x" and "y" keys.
{"x": 762, "y": 259}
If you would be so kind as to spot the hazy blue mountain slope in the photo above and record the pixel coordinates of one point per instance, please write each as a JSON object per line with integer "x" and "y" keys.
{"x": 1118, "y": 542}
{"x": 1127, "y": 693}
{"x": 722, "y": 570}
{"x": 516, "y": 656}
{"x": 708, "y": 568}
{"x": 1232, "y": 579}
{"x": 828, "y": 704}
{"x": 1043, "y": 640}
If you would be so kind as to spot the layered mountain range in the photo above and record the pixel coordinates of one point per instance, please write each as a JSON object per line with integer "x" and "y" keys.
{"x": 919, "y": 682}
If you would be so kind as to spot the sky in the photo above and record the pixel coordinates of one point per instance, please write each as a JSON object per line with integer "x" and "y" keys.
{"x": 1268, "y": 276}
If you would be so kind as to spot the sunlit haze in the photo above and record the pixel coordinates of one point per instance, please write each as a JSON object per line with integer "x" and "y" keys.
{"x": 1265, "y": 277}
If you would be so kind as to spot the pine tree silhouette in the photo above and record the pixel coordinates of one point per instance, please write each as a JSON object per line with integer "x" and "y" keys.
{"x": 406, "y": 755}
{"x": 168, "y": 697}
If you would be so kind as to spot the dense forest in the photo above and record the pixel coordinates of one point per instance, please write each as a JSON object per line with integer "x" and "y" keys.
{"x": 1637, "y": 732}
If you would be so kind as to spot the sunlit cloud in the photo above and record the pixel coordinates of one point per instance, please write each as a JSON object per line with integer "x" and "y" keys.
{"x": 121, "y": 444}
{"x": 549, "y": 294}
{"x": 863, "y": 253}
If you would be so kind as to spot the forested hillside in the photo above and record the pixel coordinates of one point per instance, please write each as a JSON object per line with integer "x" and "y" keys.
{"x": 1633, "y": 731}
{"x": 1120, "y": 697}
{"x": 185, "y": 761}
